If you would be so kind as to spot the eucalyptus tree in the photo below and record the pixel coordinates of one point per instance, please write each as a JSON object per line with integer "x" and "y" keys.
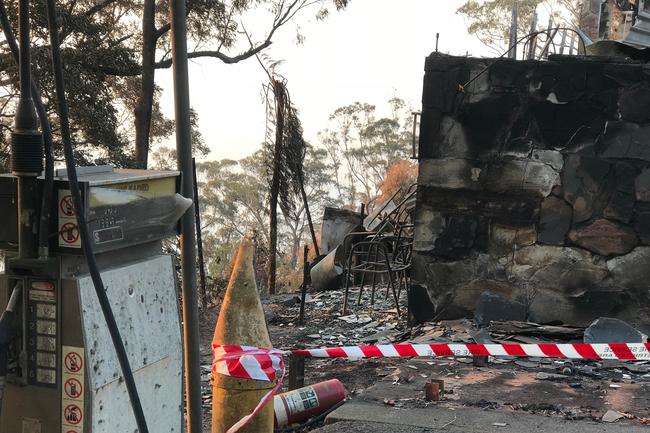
{"x": 111, "y": 50}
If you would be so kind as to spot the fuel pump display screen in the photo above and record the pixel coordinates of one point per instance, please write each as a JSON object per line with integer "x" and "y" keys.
{"x": 42, "y": 333}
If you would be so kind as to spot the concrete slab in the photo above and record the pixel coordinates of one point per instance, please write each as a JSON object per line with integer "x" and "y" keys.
{"x": 468, "y": 420}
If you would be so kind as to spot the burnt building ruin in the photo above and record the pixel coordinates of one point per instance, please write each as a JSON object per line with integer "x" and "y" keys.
{"x": 534, "y": 186}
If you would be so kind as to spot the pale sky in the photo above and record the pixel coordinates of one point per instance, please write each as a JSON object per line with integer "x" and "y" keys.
{"x": 370, "y": 52}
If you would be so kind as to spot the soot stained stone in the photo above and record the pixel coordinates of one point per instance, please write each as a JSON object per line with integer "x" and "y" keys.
{"x": 493, "y": 307}
{"x": 584, "y": 185}
{"x": 610, "y": 330}
{"x": 621, "y": 201}
{"x": 642, "y": 186}
{"x": 642, "y": 224}
{"x": 421, "y": 308}
{"x": 571, "y": 271}
{"x": 453, "y": 143}
{"x": 520, "y": 176}
{"x": 632, "y": 270}
{"x": 505, "y": 239}
{"x": 512, "y": 210}
{"x": 449, "y": 174}
{"x": 624, "y": 140}
{"x": 634, "y": 104}
{"x": 487, "y": 122}
{"x": 605, "y": 237}
{"x": 554, "y": 221}
{"x": 457, "y": 237}
{"x": 534, "y": 185}
{"x": 428, "y": 225}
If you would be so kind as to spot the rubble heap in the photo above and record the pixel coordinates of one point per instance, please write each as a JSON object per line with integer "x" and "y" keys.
{"x": 534, "y": 185}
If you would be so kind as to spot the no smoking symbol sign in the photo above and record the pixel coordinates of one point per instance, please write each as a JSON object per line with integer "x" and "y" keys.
{"x": 66, "y": 206}
{"x": 73, "y": 414}
{"x": 73, "y": 362}
{"x": 69, "y": 233}
{"x": 73, "y": 388}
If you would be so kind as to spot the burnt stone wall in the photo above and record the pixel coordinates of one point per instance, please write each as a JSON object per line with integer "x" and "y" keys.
{"x": 534, "y": 184}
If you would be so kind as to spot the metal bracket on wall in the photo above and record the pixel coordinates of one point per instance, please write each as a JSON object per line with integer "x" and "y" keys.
{"x": 416, "y": 119}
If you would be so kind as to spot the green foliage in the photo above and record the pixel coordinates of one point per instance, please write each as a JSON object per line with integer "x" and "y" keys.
{"x": 234, "y": 202}
{"x": 490, "y": 20}
{"x": 102, "y": 46}
{"x": 362, "y": 147}
{"x": 234, "y": 194}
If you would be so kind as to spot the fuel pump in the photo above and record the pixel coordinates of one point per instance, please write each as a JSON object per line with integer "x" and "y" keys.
{"x": 90, "y": 316}
{"x": 62, "y": 372}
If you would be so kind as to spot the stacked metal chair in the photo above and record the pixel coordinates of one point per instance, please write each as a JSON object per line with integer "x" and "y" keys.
{"x": 383, "y": 253}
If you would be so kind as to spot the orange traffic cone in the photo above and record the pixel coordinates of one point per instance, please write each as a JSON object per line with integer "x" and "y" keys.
{"x": 242, "y": 323}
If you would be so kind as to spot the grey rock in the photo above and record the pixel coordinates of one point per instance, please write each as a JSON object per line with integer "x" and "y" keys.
{"x": 605, "y": 237}
{"x": 625, "y": 140}
{"x": 621, "y": 200}
{"x": 520, "y": 176}
{"x": 611, "y": 416}
{"x": 584, "y": 185}
{"x": 527, "y": 364}
{"x": 454, "y": 140}
{"x": 549, "y": 157}
{"x": 550, "y": 376}
{"x": 642, "y": 226}
{"x": 428, "y": 226}
{"x": 449, "y": 173}
{"x": 554, "y": 221}
{"x": 642, "y": 186}
{"x": 634, "y": 104}
{"x": 560, "y": 269}
{"x": 458, "y": 237}
{"x": 631, "y": 270}
{"x": 492, "y": 307}
{"x": 504, "y": 239}
{"x": 421, "y": 308}
{"x": 609, "y": 330}
{"x": 576, "y": 306}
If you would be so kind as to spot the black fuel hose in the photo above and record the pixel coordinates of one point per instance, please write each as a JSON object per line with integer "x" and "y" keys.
{"x": 48, "y": 187}
{"x": 86, "y": 242}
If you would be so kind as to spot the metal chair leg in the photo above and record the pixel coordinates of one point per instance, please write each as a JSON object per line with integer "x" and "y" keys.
{"x": 363, "y": 277}
{"x": 392, "y": 285}
{"x": 346, "y": 275}
{"x": 374, "y": 278}
{"x": 399, "y": 285}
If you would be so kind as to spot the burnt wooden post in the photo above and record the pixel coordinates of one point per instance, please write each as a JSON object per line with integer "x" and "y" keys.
{"x": 309, "y": 221}
{"x": 305, "y": 281}
{"x": 296, "y": 372}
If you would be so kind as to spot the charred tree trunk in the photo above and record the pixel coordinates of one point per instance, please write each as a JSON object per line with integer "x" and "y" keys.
{"x": 143, "y": 111}
{"x": 308, "y": 214}
{"x": 275, "y": 187}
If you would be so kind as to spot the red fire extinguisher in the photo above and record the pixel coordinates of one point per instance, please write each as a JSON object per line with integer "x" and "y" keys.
{"x": 296, "y": 406}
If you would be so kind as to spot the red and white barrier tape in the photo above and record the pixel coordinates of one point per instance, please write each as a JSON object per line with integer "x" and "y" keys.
{"x": 249, "y": 363}
{"x": 266, "y": 364}
{"x": 261, "y": 364}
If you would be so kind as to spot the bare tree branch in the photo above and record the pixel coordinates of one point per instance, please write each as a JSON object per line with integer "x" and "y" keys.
{"x": 219, "y": 55}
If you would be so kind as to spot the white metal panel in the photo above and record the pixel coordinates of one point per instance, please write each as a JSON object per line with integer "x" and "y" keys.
{"x": 144, "y": 301}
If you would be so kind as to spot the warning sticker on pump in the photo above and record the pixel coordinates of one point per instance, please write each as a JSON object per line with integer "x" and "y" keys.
{"x": 66, "y": 207}
{"x": 72, "y": 391}
{"x": 68, "y": 228}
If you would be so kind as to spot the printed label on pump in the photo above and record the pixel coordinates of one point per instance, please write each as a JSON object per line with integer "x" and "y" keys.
{"x": 68, "y": 228}
{"x": 72, "y": 391}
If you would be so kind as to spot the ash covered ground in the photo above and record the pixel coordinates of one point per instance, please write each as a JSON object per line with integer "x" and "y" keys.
{"x": 579, "y": 391}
